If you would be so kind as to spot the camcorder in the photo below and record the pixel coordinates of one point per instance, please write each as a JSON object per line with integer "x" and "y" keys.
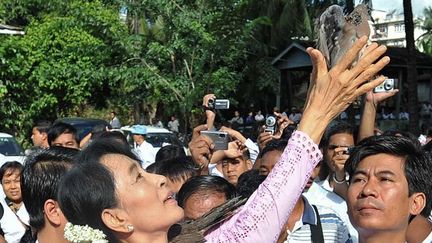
{"x": 388, "y": 85}
{"x": 220, "y": 139}
{"x": 218, "y": 104}
{"x": 270, "y": 124}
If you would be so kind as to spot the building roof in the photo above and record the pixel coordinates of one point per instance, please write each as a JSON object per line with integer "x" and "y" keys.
{"x": 295, "y": 57}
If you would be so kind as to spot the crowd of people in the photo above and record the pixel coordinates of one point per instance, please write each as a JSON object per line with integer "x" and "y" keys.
{"x": 308, "y": 179}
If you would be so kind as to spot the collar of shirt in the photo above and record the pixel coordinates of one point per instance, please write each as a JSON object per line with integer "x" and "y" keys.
{"x": 326, "y": 184}
{"x": 309, "y": 217}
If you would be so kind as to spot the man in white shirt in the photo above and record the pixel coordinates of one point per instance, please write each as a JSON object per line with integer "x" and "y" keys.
{"x": 173, "y": 125}
{"x": 144, "y": 150}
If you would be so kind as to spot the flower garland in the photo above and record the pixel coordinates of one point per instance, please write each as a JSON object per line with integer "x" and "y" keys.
{"x": 83, "y": 234}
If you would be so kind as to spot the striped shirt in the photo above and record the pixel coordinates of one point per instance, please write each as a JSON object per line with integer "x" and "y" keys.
{"x": 334, "y": 229}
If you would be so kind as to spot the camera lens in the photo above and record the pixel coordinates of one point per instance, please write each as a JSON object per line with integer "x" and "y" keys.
{"x": 270, "y": 121}
{"x": 388, "y": 85}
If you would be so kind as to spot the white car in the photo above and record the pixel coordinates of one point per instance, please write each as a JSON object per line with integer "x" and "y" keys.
{"x": 10, "y": 150}
{"x": 157, "y": 136}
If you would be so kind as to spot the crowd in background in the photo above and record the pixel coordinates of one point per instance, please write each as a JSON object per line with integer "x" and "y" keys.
{"x": 305, "y": 179}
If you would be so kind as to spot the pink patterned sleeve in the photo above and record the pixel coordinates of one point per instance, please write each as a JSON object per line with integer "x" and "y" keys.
{"x": 267, "y": 210}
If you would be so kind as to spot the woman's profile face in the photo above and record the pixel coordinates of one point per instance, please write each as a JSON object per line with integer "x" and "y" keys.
{"x": 145, "y": 197}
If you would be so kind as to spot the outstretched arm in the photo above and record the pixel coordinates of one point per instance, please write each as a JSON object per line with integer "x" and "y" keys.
{"x": 268, "y": 209}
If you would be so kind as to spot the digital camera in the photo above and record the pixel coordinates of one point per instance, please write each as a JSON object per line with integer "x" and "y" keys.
{"x": 219, "y": 104}
{"x": 270, "y": 124}
{"x": 388, "y": 85}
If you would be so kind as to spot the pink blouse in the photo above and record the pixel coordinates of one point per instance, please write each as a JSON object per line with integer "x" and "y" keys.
{"x": 261, "y": 219}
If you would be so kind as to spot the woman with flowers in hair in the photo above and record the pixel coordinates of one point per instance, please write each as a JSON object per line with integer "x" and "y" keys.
{"x": 110, "y": 192}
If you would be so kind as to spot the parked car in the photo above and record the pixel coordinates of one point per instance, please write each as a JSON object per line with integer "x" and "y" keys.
{"x": 10, "y": 150}
{"x": 158, "y": 137}
{"x": 83, "y": 125}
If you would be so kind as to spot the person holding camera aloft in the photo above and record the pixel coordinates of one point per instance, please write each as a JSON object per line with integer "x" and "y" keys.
{"x": 131, "y": 205}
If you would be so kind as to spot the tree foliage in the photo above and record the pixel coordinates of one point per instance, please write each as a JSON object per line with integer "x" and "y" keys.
{"x": 161, "y": 60}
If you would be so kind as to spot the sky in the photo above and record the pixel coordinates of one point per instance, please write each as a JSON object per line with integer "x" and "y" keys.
{"x": 417, "y": 5}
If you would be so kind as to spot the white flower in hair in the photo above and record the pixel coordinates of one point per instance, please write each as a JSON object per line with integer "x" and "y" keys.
{"x": 83, "y": 234}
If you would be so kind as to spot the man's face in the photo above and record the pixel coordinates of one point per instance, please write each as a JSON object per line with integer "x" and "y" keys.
{"x": 233, "y": 168}
{"x": 338, "y": 140}
{"x": 65, "y": 140}
{"x": 39, "y": 139}
{"x": 268, "y": 161}
{"x": 139, "y": 139}
{"x": 11, "y": 185}
{"x": 378, "y": 195}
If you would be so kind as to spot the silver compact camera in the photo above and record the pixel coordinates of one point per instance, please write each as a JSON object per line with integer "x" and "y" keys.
{"x": 388, "y": 85}
{"x": 270, "y": 124}
{"x": 219, "y": 104}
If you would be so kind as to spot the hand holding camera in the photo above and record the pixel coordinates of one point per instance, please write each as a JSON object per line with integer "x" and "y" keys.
{"x": 340, "y": 156}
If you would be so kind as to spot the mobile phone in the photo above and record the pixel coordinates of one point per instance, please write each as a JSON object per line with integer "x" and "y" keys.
{"x": 220, "y": 139}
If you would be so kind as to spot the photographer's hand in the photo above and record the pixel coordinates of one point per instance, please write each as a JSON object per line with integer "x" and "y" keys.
{"x": 201, "y": 148}
{"x": 234, "y": 134}
{"x": 263, "y": 138}
{"x": 283, "y": 122}
{"x": 210, "y": 113}
{"x": 338, "y": 160}
{"x": 367, "y": 122}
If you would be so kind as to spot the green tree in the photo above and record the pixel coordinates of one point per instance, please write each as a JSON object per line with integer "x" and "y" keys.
{"x": 59, "y": 64}
{"x": 425, "y": 40}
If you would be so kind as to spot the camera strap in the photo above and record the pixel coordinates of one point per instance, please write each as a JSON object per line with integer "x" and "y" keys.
{"x": 316, "y": 230}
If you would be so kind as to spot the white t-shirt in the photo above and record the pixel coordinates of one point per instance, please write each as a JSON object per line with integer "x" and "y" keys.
{"x": 12, "y": 227}
{"x": 145, "y": 151}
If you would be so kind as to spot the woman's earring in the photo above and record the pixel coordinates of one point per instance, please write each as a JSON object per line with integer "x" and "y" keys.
{"x": 130, "y": 228}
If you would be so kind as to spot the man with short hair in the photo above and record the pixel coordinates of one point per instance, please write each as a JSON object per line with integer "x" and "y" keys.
{"x": 144, "y": 149}
{"x": 63, "y": 135}
{"x": 40, "y": 134}
{"x": 307, "y": 222}
{"x": 41, "y": 175}
{"x": 233, "y": 168}
{"x": 115, "y": 122}
{"x": 173, "y": 125}
{"x": 200, "y": 194}
{"x": 389, "y": 184}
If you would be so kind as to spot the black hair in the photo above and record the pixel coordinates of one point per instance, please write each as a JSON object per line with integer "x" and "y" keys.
{"x": 277, "y": 144}
{"x": 428, "y": 147}
{"x": 97, "y": 130}
{"x": 40, "y": 179}
{"x": 113, "y": 135}
{"x": 403, "y": 134}
{"x": 169, "y": 152}
{"x": 337, "y": 127}
{"x": 60, "y": 128}
{"x": 417, "y": 163}
{"x": 248, "y": 182}
{"x": 175, "y": 169}
{"x": 205, "y": 184}
{"x": 12, "y": 165}
{"x": 89, "y": 188}
{"x": 42, "y": 126}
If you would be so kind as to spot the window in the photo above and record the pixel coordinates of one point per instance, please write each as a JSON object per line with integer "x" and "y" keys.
{"x": 399, "y": 27}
